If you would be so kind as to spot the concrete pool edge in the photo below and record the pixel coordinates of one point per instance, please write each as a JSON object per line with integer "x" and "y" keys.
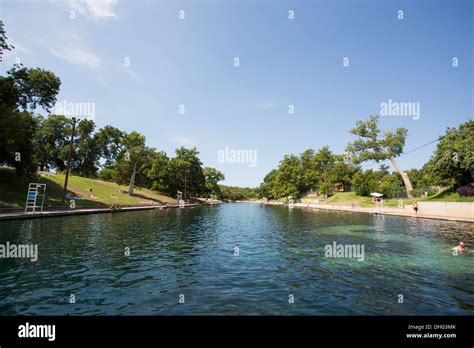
{"x": 74, "y": 212}
{"x": 381, "y": 211}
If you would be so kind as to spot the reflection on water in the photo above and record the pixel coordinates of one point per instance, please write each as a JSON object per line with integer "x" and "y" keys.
{"x": 281, "y": 252}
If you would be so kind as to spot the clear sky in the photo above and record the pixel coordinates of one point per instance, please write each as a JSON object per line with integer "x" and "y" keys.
{"x": 283, "y": 62}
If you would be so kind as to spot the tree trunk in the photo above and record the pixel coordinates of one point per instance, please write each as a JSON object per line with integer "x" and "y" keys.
{"x": 132, "y": 180}
{"x": 406, "y": 179}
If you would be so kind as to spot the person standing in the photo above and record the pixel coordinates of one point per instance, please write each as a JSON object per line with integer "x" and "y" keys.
{"x": 415, "y": 207}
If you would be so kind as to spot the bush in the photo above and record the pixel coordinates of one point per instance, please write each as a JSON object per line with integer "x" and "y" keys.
{"x": 392, "y": 186}
{"x": 107, "y": 174}
{"x": 365, "y": 183}
{"x": 465, "y": 191}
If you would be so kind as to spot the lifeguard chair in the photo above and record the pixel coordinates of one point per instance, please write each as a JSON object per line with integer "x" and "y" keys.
{"x": 35, "y": 196}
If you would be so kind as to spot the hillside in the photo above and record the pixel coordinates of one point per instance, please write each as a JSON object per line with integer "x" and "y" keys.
{"x": 13, "y": 191}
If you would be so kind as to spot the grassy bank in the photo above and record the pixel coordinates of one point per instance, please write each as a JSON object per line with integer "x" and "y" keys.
{"x": 85, "y": 191}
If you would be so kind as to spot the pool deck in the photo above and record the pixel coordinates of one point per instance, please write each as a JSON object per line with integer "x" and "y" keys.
{"x": 78, "y": 211}
{"x": 372, "y": 210}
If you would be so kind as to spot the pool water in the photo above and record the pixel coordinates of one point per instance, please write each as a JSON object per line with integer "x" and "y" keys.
{"x": 237, "y": 259}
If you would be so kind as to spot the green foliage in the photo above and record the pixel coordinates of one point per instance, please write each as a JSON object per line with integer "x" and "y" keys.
{"x": 4, "y": 45}
{"x": 392, "y": 186}
{"x": 51, "y": 142}
{"x": 109, "y": 142}
{"x": 28, "y": 88}
{"x": 17, "y": 130}
{"x": 20, "y": 90}
{"x": 107, "y": 174}
{"x": 234, "y": 193}
{"x": 370, "y": 145}
{"x": 212, "y": 176}
{"x": 185, "y": 173}
{"x": 86, "y": 158}
{"x": 452, "y": 164}
{"x": 312, "y": 170}
{"x": 286, "y": 181}
{"x": 365, "y": 183}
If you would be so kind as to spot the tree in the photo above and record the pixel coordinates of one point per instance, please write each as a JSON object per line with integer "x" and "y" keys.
{"x": 28, "y": 88}
{"x": 132, "y": 155}
{"x": 288, "y": 179}
{"x": 212, "y": 176}
{"x": 343, "y": 172}
{"x": 309, "y": 175}
{"x": 452, "y": 164}
{"x": 17, "y": 130}
{"x": 87, "y": 153}
{"x": 323, "y": 163}
{"x": 391, "y": 185}
{"x": 4, "y": 45}
{"x": 51, "y": 142}
{"x": 365, "y": 183}
{"x": 235, "y": 193}
{"x": 185, "y": 173}
{"x": 20, "y": 90}
{"x": 158, "y": 172}
{"x": 109, "y": 142}
{"x": 371, "y": 145}
{"x": 268, "y": 186}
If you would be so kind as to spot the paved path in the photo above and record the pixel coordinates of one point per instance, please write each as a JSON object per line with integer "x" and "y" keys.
{"x": 69, "y": 212}
{"x": 371, "y": 210}
{"x": 384, "y": 211}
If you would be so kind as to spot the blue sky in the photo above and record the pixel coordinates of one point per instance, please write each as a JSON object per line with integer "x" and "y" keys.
{"x": 190, "y": 62}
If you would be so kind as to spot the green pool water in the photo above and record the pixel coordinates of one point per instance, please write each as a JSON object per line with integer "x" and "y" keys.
{"x": 237, "y": 259}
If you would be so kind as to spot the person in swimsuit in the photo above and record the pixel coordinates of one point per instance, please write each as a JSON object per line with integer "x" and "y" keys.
{"x": 460, "y": 248}
{"x": 415, "y": 207}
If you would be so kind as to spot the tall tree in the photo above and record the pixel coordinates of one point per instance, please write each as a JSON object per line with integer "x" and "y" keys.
{"x": 87, "y": 153}
{"x": 132, "y": 156}
{"x": 213, "y": 176}
{"x": 20, "y": 91}
{"x": 323, "y": 163}
{"x": 452, "y": 164}
{"x": 51, "y": 142}
{"x": 158, "y": 172}
{"x": 109, "y": 142}
{"x": 185, "y": 172}
{"x": 17, "y": 130}
{"x": 29, "y": 88}
{"x": 375, "y": 146}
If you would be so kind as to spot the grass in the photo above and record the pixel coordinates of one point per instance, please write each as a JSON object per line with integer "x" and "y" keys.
{"x": 347, "y": 198}
{"x": 13, "y": 191}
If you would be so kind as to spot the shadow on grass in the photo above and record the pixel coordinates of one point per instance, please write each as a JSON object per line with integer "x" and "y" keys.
{"x": 142, "y": 196}
{"x": 13, "y": 190}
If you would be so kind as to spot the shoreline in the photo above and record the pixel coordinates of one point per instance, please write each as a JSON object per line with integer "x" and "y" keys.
{"x": 78, "y": 211}
{"x": 371, "y": 210}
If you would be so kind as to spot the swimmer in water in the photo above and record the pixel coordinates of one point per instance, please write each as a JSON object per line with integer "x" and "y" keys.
{"x": 460, "y": 248}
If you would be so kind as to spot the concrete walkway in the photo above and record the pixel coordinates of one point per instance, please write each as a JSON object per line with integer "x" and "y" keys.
{"x": 69, "y": 212}
{"x": 407, "y": 212}
{"x": 383, "y": 211}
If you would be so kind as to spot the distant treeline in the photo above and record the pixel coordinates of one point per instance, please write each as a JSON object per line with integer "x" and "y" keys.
{"x": 234, "y": 193}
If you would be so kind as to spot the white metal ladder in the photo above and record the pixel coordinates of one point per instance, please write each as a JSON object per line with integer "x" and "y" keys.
{"x": 35, "y": 195}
